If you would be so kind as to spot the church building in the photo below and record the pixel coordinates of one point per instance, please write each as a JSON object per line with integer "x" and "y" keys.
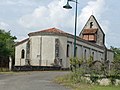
{"x": 53, "y": 46}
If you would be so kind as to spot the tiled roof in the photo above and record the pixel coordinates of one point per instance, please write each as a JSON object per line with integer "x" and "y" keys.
{"x": 50, "y": 30}
{"x": 18, "y": 43}
{"x": 55, "y": 31}
{"x": 89, "y": 31}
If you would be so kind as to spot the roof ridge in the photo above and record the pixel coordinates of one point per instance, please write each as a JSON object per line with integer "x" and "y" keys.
{"x": 22, "y": 41}
{"x": 49, "y": 30}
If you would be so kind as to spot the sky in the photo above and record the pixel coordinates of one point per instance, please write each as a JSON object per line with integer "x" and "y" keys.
{"x": 24, "y": 16}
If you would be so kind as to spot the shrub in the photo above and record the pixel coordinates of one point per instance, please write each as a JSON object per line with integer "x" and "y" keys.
{"x": 96, "y": 70}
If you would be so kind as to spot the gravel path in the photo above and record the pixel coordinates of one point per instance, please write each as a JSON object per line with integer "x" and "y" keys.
{"x": 31, "y": 81}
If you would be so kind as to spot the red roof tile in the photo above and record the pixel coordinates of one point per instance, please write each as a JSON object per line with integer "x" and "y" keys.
{"x": 89, "y": 31}
{"x": 53, "y": 30}
{"x": 50, "y": 30}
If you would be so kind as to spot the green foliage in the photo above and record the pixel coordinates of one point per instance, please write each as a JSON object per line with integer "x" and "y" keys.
{"x": 67, "y": 81}
{"x": 116, "y": 53}
{"x": 75, "y": 61}
{"x": 77, "y": 76}
{"x": 4, "y": 70}
{"x": 6, "y": 47}
{"x": 95, "y": 70}
{"x": 90, "y": 60}
{"x": 115, "y": 69}
{"x": 6, "y": 44}
{"x": 94, "y": 79}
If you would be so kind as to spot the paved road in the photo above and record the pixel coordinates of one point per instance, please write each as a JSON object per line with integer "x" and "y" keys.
{"x": 31, "y": 81}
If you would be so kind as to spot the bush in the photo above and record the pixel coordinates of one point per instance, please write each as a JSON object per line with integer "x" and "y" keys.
{"x": 96, "y": 70}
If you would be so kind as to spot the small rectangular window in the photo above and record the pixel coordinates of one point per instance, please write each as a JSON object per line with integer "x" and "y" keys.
{"x": 91, "y": 37}
{"x": 85, "y": 37}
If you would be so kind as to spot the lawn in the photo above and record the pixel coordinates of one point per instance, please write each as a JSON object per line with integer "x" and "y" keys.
{"x": 95, "y": 87}
{"x": 105, "y": 88}
{"x": 83, "y": 86}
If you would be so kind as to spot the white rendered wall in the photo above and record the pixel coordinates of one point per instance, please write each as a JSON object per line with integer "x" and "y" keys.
{"x": 35, "y": 50}
{"x": 42, "y": 51}
{"x": 18, "y": 49}
{"x": 46, "y": 55}
{"x": 81, "y": 47}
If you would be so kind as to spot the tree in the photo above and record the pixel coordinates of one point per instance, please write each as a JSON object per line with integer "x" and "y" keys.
{"x": 116, "y": 53}
{"x": 6, "y": 47}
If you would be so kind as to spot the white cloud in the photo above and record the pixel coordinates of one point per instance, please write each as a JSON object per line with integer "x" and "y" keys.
{"x": 17, "y": 2}
{"x": 52, "y": 15}
{"x": 4, "y": 26}
{"x": 105, "y": 25}
{"x": 97, "y": 8}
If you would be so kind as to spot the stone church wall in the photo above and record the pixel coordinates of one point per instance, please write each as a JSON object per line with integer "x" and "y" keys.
{"x": 19, "y": 61}
{"x": 43, "y": 50}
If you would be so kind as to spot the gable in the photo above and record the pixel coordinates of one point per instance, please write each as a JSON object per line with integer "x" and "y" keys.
{"x": 92, "y": 23}
{"x": 92, "y": 32}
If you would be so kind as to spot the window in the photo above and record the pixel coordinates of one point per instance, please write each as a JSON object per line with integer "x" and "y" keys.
{"x": 57, "y": 47}
{"x": 89, "y": 37}
{"x": 67, "y": 50}
{"x": 76, "y": 52}
{"x": 93, "y": 56}
{"x": 85, "y": 54}
{"x": 85, "y": 37}
{"x": 91, "y": 24}
{"x": 23, "y": 54}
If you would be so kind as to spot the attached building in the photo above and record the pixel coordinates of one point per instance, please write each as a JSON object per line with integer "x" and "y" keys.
{"x": 53, "y": 46}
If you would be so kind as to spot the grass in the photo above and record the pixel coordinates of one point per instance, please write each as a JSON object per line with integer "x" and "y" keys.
{"x": 4, "y": 69}
{"x": 106, "y": 88}
{"x": 66, "y": 81}
{"x": 7, "y": 71}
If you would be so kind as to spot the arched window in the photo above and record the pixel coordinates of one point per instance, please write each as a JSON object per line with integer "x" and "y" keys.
{"x": 93, "y": 55}
{"x": 23, "y": 53}
{"x": 67, "y": 50}
{"x": 76, "y": 51}
{"x": 91, "y": 24}
{"x": 85, "y": 55}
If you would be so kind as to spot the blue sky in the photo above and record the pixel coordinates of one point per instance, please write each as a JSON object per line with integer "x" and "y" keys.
{"x": 24, "y": 16}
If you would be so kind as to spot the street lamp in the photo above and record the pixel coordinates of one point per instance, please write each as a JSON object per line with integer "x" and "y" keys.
{"x": 67, "y": 6}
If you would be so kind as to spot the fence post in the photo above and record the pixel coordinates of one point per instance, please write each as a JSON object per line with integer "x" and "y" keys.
{"x": 10, "y": 63}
